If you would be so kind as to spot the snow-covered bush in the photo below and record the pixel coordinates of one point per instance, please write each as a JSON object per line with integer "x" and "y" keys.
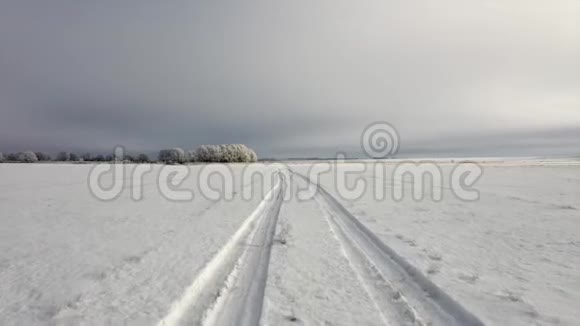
{"x": 208, "y": 153}
{"x": 253, "y": 157}
{"x": 63, "y": 156}
{"x": 225, "y": 153}
{"x": 229, "y": 153}
{"x": 27, "y": 157}
{"x": 174, "y": 155}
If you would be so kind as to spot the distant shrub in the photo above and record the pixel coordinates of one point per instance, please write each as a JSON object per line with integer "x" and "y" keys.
{"x": 42, "y": 156}
{"x": 74, "y": 157}
{"x": 27, "y": 157}
{"x": 128, "y": 158}
{"x": 87, "y": 157}
{"x": 63, "y": 156}
{"x": 121, "y": 157}
{"x": 142, "y": 158}
{"x": 174, "y": 155}
{"x": 1, "y": 157}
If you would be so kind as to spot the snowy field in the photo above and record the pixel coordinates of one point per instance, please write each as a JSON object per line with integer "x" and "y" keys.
{"x": 509, "y": 258}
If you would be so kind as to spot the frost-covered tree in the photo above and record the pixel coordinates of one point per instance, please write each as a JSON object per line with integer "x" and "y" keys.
{"x": 202, "y": 153}
{"x": 240, "y": 153}
{"x": 74, "y": 157}
{"x": 191, "y": 156}
{"x": 208, "y": 153}
{"x": 243, "y": 153}
{"x": 226, "y": 153}
{"x": 174, "y": 155}
{"x": 42, "y": 156}
{"x": 253, "y": 157}
{"x": 87, "y": 157}
{"x": 27, "y": 157}
{"x": 12, "y": 157}
{"x": 63, "y": 156}
{"x": 215, "y": 153}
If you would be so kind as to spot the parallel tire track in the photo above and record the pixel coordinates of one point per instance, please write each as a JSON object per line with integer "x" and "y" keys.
{"x": 403, "y": 295}
{"x": 230, "y": 288}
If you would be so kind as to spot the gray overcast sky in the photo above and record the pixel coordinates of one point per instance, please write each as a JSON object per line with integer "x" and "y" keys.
{"x": 291, "y": 78}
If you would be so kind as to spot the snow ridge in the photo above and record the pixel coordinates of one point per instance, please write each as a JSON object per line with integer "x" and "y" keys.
{"x": 403, "y": 295}
{"x": 237, "y": 273}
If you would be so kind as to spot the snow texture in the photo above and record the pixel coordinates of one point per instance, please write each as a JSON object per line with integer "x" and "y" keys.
{"x": 509, "y": 258}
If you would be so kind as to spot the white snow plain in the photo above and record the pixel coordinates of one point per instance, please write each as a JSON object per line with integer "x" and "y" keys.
{"x": 509, "y": 258}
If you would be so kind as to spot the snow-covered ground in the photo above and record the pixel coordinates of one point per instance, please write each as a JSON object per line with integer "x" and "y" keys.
{"x": 509, "y": 258}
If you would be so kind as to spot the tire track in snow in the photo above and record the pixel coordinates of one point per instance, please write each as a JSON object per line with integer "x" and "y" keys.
{"x": 230, "y": 288}
{"x": 403, "y": 295}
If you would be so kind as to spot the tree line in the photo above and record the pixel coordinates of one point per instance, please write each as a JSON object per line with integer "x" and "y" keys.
{"x": 226, "y": 153}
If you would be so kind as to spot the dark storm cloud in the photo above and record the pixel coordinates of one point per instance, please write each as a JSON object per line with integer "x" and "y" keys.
{"x": 296, "y": 78}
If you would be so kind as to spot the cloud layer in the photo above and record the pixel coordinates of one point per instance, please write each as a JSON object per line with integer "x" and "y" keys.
{"x": 292, "y": 78}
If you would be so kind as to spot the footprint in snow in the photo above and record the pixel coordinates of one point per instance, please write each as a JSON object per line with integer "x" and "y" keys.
{"x": 435, "y": 256}
{"x": 469, "y": 278}
{"x": 566, "y": 207}
{"x": 433, "y": 269}
{"x": 508, "y": 295}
